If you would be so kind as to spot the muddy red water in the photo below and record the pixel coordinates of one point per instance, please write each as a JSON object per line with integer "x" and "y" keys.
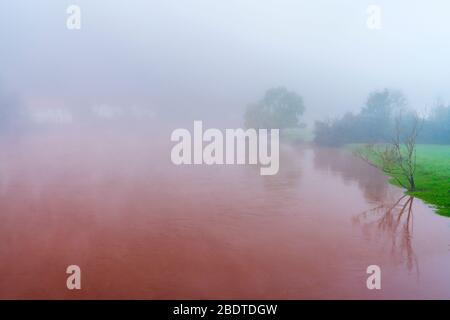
{"x": 140, "y": 227}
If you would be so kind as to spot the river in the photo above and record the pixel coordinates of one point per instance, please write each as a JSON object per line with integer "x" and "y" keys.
{"x": 139, "y": 227}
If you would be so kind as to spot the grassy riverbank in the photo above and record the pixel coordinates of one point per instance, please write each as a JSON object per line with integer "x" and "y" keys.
{"x": 433, "y": 176}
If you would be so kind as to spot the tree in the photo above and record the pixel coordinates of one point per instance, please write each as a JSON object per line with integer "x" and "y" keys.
{"x": 375, "y": 119}
{"x": 278, "y": 109}
{"x": 397, "y": 158}
{"x": 381, "y": 104}
{"x": 436, "y": 127}
{"x": 372, "y": 124}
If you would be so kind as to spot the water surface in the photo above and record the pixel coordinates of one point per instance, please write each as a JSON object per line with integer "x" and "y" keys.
{"x": 140, "y": 227}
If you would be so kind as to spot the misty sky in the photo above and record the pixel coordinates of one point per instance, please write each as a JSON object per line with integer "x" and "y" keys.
{"x": 209, "y": 59}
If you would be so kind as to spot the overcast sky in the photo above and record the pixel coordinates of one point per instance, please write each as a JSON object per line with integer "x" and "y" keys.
{"x": 208, "y": 58}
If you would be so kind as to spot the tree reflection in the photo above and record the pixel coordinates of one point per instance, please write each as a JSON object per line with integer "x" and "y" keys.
{"x": 396, "y": 220}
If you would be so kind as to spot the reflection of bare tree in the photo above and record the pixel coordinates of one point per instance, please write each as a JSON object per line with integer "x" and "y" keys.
{"x": 397, "y": 221}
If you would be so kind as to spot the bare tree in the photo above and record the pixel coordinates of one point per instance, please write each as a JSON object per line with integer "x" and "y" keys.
{"x": 396, "y": 158}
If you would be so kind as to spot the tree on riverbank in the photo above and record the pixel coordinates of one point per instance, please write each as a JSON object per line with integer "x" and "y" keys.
{"x": 436, "y": 129}
{"x": 397, "y": 157}
{"x": 372, "y": 124}
{"x": 376, "y": 122}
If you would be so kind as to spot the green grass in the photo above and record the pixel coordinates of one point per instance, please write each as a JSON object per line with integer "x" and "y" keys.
{"x": 432, "y": 176}
{"x": 296, "y": 134}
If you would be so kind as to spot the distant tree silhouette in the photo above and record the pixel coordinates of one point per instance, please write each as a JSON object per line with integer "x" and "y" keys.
{"x": 278, "y": 109}
{"x": 373, "y": 123}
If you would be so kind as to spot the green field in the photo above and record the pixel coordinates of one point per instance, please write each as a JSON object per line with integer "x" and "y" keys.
{"x": 432, "y": 177}
{"x": 296, "y": 135}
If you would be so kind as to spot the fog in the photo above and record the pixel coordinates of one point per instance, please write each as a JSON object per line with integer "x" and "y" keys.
{"x": 208, "y": 60}
{"x": 201, "y": 149}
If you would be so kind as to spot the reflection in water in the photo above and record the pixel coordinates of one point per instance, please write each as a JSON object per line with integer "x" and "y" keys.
{"x": 351, "y": 168}
{"x": 392, "y": 218}
{"x": 396, "y": 220}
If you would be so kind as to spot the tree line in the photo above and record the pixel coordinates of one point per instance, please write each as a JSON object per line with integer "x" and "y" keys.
{"x": 377, "y": 122}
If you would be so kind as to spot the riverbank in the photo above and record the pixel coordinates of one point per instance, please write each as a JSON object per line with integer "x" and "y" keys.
{"x": 432, "y": 176}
